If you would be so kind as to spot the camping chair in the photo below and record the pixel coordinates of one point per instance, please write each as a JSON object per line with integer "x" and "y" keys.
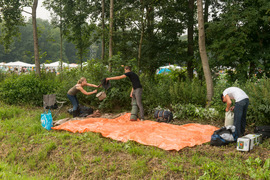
{"x": 50, "y": 102}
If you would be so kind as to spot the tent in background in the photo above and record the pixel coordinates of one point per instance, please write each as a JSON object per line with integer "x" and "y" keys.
{"x": 19, "y": 64}
{"x": 56, "y": 64}
{"x": 164, "y": 70}
{"x": 167, "y": 69}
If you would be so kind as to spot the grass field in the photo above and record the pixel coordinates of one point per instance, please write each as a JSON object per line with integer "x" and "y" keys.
{"x": 28, "y": 151}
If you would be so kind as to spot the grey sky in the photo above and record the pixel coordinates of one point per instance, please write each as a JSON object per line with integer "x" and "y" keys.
{"x": 42, "y": 13}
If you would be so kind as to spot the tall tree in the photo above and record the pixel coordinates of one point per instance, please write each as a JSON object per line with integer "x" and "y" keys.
{"x": 142, "y": 34}
{"x": 12, "y": 19}
{"x": 111, "y": 35}
{"x": 239, "y": 37}
{"x": 35, "y": 36}
{"x": 103, "y": 29}
{"x": 204, "y": 58}
{"x": 190, "y": 34}
{"x": 57, "y": 21}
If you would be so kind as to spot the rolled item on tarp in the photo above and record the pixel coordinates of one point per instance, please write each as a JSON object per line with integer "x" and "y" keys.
{"x": 134, "y": 110}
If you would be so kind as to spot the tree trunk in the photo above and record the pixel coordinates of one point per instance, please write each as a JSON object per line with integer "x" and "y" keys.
{"x": 141, "y": 38}
{"x": 190, "y": 51}
{"x": 61, "y": 38}
{"x": 103, "y": 31}
{"x": 111, "y": 35}
{"x": 35, "y": 36}
{"x": 205, "y": 64}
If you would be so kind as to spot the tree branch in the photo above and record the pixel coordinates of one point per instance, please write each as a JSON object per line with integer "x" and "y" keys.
{"x": 26, "y": 12}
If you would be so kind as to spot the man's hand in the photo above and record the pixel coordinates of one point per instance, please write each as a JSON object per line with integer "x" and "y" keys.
{"x": 232, "y": 108}
{"x": 95, "y": 91}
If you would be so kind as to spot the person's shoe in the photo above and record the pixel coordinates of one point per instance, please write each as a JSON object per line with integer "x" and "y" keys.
{"x": 142, "y": 119}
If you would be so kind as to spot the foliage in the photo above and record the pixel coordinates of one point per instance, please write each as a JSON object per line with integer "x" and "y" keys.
{"x": 239, "y": 37}
{"x": 190, "y": 111}
{"x": 27, "y": 88}
{"x": 10, "y": 18}
{"x": 259, "y": 104}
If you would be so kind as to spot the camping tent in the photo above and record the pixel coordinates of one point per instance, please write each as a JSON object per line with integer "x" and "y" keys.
{"x": 167, "y": 69}
{"x": 164, "y": 70}
{"x": 73, "y": 65}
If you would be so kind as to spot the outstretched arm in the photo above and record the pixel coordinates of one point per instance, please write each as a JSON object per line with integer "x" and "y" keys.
{"x": 116, "y": 77}
{"x": 91, "y": 85}
{"x": 228, "y": 101}
{"x": 85, "y": 92}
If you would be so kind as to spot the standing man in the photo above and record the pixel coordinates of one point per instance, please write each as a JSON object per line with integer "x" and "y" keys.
{"x": 240, "y": 108}
{"x": 136, "y": 92}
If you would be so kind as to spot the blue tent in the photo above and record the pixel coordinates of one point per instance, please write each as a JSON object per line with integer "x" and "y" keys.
{"x": 164, "y": 70}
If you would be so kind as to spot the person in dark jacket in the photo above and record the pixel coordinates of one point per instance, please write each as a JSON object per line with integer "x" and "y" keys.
{"x": 71, "y": 94}
{"x": 136, "y": 92}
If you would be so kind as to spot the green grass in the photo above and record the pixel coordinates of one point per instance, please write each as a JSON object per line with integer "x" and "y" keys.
{"x": 28, "y": 151}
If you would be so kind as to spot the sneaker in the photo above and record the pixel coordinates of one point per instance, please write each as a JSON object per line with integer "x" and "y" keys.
{"x": 142, "y": 119}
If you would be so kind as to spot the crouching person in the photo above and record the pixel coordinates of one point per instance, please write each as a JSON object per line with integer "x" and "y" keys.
{"x": 71, "y": 94}
{"x": 240, "y": 108}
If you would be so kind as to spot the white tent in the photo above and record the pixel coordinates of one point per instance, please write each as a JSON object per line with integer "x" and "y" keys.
{"x": 2, "y": 64}
{"x": 19, "y": 64}
{"x": 73, "y": 65}
{"x": 56, "y": 64}
{"x": 174, "y": 67}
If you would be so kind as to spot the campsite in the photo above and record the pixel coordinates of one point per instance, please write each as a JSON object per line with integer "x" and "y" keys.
{"x": 134, "y": 89}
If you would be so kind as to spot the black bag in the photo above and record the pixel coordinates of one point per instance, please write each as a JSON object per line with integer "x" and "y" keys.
{"x": 163, "y": 116}
{"x": 217, "y": 140}
{"x": 263, "y": 130}
{"x": 83, "y": 111}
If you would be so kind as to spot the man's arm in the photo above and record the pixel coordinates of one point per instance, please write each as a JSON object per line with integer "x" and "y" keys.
{"x": 131, "y": 93}
{"x": 116, "y": 77}
{"x": 229, "y": 102}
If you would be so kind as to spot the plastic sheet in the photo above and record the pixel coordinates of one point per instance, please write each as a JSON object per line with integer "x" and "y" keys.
{"x": 162, "y": 135}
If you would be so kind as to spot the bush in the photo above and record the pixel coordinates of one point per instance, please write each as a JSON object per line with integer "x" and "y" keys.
{"x": 27, "y": 89}
{"x": 259, "y": 100}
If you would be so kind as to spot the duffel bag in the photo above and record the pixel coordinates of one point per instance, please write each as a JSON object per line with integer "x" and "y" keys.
{"x": 223, "y": 136}
{"x": 163, "y": 116}
{"x": 263, "y": 130}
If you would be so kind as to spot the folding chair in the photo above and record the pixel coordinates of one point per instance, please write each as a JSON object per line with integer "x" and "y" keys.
{"x": 50, "y": 102}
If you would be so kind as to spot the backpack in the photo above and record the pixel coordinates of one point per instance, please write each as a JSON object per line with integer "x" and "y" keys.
{"x": 84, "y": 111}
{"x": 263, "y": 130}
{"x": 223, "y": 136}
{"x": 163, "y": 116}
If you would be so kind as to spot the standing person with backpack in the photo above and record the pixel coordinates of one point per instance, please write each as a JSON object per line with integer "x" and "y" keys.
{"x": 136, "y": 92}
{"x": 71, "y": 94}
{"x": 240, "y": 108}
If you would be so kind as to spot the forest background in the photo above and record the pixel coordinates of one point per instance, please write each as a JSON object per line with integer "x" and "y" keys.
{"x": 145, "y": 35}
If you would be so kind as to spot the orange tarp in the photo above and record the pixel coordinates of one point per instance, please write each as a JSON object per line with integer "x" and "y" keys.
{"x": 163, "y": 135}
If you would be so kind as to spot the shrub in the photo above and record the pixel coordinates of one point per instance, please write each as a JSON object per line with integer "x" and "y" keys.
{"x": 259, "y": 100}
{"x": 27, "y": 89}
